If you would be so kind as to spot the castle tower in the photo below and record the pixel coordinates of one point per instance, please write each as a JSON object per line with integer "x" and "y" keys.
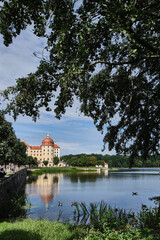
{"x": 48, "y": 150}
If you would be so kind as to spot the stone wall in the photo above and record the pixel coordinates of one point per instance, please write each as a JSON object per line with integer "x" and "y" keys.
{"x": 10, "y": 186}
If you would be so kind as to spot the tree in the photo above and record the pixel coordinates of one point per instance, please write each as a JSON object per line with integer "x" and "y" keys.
{"x": 92, "y": 161}
{"x": 139, "y": 163}
{"x": 56, "y": 160}
{"x": 111, "y": 48}
{"x": 19, "y": 154}
{"x": 31, "y": 161}
{"x": 12, "y": 150}
{"x": 148, "y": 163}
{"x": 7, "y": 140}
{"x": 45, "y": 163}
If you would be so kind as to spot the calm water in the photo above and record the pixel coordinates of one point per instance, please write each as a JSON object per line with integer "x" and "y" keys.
{"x": 115, "y": 188}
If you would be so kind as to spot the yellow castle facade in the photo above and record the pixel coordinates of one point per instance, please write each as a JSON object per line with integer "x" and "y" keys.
{"x": 46, "y": 152}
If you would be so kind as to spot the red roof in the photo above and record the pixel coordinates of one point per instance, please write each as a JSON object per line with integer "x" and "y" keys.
{"x": 35, "y": 147}
{"x": 26, "y": 143}
{"x": 47, "y": 198}
{"x": 47, "y": 141}
{"x": 32, "y": 147}
{"x": 56, "y": 146}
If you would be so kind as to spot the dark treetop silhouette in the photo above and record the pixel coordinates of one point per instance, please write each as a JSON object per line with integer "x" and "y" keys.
{"x": 109, "y": 48}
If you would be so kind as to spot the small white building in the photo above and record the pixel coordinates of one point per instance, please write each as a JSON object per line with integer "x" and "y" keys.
{"x": 106, "y": 165}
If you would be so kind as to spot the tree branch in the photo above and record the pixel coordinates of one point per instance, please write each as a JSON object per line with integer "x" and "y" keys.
{"x": 142, "y": 41}
{"x": 112, "y": 63}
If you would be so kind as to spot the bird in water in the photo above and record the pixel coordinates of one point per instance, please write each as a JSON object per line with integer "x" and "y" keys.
{"x": 60, "y": 204}
{"x": 134, "y": 193}
{"x": 144, "y": 206}
{"x": 73, "y": 204}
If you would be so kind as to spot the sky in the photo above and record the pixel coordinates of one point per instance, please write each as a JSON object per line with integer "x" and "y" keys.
{"x": 74, "y": 133}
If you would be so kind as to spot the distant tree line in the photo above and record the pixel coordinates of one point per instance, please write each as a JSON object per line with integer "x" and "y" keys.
{"x": 12, "y": 150}
{"x": 83, "y": 160}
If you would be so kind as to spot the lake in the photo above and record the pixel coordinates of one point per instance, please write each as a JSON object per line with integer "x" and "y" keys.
{"x": 114, "y": 188}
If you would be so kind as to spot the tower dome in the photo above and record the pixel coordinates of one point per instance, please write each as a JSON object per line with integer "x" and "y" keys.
{"x": 47, "y": 141}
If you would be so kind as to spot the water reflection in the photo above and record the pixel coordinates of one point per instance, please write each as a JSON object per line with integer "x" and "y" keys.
{"x": 45, "y": 185}
{"x": 86, "y": 177}
{"x": 115, "y": 189}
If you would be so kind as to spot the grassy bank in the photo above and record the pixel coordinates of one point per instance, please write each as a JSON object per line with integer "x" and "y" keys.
{"x": 105, "y": 223}
{"x": 36, "y": 230}
{"x": 45, "y": 230}
{"x": 114, "y": 223}
{"x": 44, "y": 170}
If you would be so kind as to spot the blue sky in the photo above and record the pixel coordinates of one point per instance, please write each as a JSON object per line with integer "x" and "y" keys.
{"x": 74, "y": 133}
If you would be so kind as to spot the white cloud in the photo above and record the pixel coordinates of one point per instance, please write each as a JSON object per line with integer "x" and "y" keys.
{"x": 18, "y": 60}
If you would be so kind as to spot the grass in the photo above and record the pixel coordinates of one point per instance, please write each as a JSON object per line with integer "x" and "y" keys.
{"x": 59, "y": 170}
{"x": 98, "y": 214}
{"x": 96, "y": 221}
{"x": 37, "y": 230}
{"x": 28, "y": 229}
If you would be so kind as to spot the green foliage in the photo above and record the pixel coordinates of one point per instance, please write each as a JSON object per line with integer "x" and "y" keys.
{"x": 100, "y": 215}
{"x": 15, "y": 207}
{"x": 105, "y": 222}
{"x": 56, "y": 160}
{"x": 15, "y": 16}
{"x": 111, "y": 48}
{"x": 45, "y": 163}
{"x": 20, "y": 153}
{"x": 148, "y": 217}
{"x": 83, "y": 160}
{"x": 58, "y": 170}
{"x": 117, "y": 161}
{"x": 37, "y": 230}
{"x": 31, "y": 161}
{"x": 12, "y": 150}
{"x": 127, "y": 233}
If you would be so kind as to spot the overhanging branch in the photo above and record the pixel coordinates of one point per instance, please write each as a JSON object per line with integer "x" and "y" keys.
{"x": 112, "y": 63}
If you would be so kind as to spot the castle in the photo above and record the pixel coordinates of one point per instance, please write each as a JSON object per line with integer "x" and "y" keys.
{"x": 46, "y": 152}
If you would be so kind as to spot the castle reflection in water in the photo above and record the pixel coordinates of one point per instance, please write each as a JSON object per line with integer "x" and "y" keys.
{"x": 45, "y": 185}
